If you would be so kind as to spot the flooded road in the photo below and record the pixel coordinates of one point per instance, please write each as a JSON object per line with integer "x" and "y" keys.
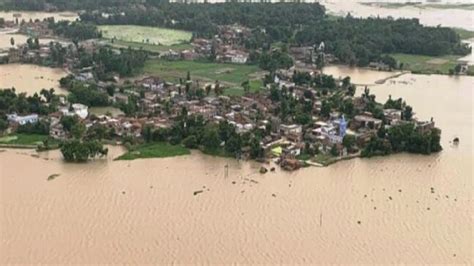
{"x": 403, "y": 208}
{"x": 19, "y": 39}
{"x": 359, "y": 76}
{"x": 31, "y": 78}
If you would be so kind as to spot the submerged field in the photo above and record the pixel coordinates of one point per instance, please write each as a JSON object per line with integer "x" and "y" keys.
{"x": 145, "y": 35}
{"x": 232, "y": 74}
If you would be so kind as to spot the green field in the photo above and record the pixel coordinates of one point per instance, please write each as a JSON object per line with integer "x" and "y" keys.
{"x": 427, "y": 64}
{"x": 154, "y": 150}
{"x": 255, "y": 86}
{"x": 464, "y": 34}
{"x": 231, "y": 74}
{"x": 150, "y": 47}
{"x": 145, "y": 35}
{"x": 23, "y": 139}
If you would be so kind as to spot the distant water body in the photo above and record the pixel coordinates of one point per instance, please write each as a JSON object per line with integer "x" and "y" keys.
{"x": 454, "y": 17}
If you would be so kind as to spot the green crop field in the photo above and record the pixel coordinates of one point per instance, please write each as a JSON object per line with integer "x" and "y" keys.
{"x": 145, "y": 35}
{"x": 231, "y": 74}
{"x": 427, "y": 64}
{"x": 154, "y": 150}
{"x": 23, "y": 139}
{"x": 150, "y": 47}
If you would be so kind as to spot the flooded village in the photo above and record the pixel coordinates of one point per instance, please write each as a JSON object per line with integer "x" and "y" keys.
{"x": 290, "y": 121}
{"x": 210, "y": 202}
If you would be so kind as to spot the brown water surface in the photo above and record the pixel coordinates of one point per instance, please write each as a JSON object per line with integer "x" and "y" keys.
{"x": 30, "y": 78}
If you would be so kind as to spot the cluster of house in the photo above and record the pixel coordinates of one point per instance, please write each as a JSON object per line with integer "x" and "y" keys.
{"x": 162, "y": 102}
{"x": 35, "y": 54}
{"x": 226, "y": 47}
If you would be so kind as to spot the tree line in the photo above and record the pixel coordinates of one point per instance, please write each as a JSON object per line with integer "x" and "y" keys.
{"x": 352, "y": 40}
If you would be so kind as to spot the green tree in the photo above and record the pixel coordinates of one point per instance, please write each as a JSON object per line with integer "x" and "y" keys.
{"x": 334, "y": 152}
{"x": 68, "y": 122}
{"x": 78, "y": 130}
{"x": 246, "y": 86}
{"x": 211, "y": 140}
{"x": 190, "y": 142}
{"x": 234, "y": 144}
{"x": 408, "y": 113}
{"x": 81, "y": 151}
{"x": 147, "y": 133}
{"x": 349, "y": 141}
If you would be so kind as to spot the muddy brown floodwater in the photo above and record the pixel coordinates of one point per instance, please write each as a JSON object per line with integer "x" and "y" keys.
{"x": 398, "y": 209}
{"x": 31, "y": 78}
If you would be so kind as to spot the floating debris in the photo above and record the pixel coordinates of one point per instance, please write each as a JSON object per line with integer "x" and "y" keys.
{"x": 35, "y": 155}
{"x": 400, "y": 190}
{"x": 254, "y": 181}
{"x": 197, "y": 192}
{"x": 428, "y": 208}
{"x": 233, "y": 182}
{"x": 365, "y": 196}
{"x": 390, "y": 198}
{"x": 358, "y": 222}
{"x": 263, "y": 170}
{"x": 273, "y": 195}
{"x": 375, "y": 208}
{"x": 151, "y": 186}
{"x": 52, "y": 177}
{"x": 272, "y": 169}
{"x": 123, "y": 192}
{"x": 456, "y": 140}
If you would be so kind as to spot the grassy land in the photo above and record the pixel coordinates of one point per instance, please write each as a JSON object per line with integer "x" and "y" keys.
{"x": 255, "y": 86}
{"x": 232, "y": 74}
{"x": 154, "y": 150}
{"x": 151, "y": 47}
{"x": 427, "y": 64}
{"x": 23, "y": 139}
{"x": 464, "y": 34}
{"x": 324, "y": 159}
{"x": 148, "y": 35}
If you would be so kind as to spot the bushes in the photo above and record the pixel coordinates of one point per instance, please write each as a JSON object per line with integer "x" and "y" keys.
{"x": 82, "y": 151}
{"x": 41, "y": 128}
{"x": 404, "y": 138}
